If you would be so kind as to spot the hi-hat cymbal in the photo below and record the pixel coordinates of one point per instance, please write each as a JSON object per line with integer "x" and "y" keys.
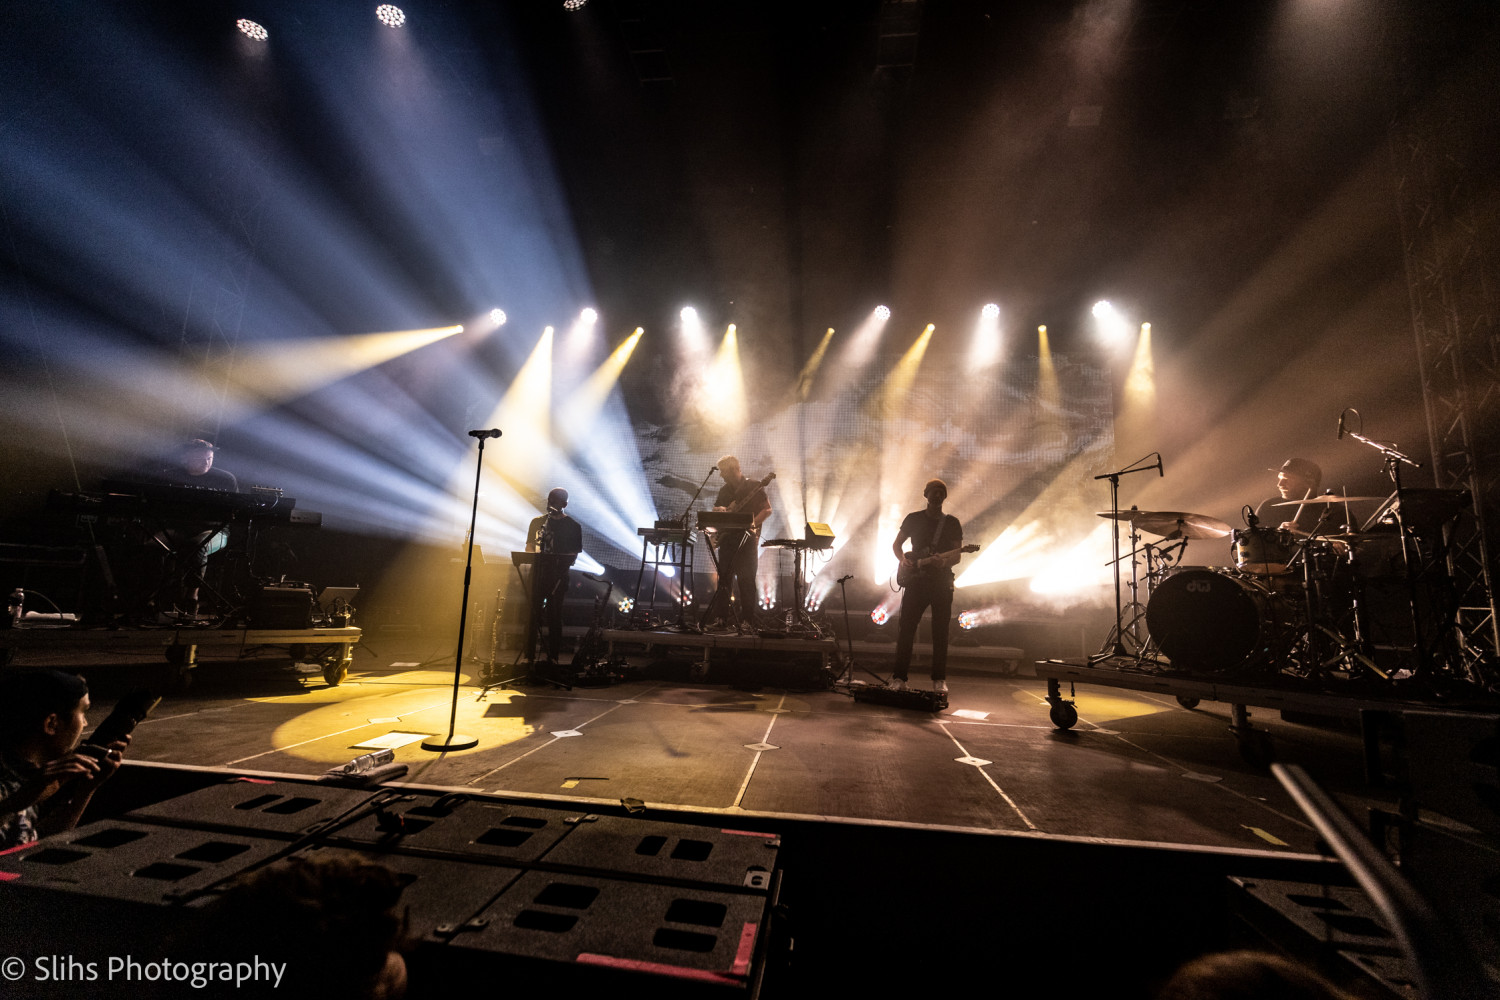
{"x": 1324, "y": 499}
{"x": 1172, "y": 523}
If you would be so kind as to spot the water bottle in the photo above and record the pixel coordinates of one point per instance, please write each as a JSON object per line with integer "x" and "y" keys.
{"x": 366, "y": 762}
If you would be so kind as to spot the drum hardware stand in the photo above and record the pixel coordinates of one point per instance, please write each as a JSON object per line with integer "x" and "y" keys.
{"x": 1393, "y": 460}
{"x": 1114, "y": 646}
{"x": 1345, "y": 653}
{"x": 1130, "y": 622}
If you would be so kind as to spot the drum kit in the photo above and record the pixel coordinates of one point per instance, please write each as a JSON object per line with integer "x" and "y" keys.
{"x": 1323, "y": 608}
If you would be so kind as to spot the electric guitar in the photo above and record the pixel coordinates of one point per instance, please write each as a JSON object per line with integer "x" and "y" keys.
{"x": 908, "y": 575}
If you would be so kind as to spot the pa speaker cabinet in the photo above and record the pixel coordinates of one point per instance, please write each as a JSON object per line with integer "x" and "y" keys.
{"x": 282, "y": 607}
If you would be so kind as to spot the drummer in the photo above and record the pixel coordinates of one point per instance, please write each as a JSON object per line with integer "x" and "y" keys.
{"x": 1297, "y": 479}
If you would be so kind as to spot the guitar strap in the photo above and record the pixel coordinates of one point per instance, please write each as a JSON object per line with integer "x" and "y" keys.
{"x": 934, "y": 534}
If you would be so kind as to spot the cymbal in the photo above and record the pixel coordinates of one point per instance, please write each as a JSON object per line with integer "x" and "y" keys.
{"x": 1324, "y": 499}
{"x": 1172, "y": 523}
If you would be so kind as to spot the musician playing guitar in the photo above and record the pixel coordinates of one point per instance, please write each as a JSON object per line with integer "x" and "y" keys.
{"x": 738, "y": 549}
{"x": 927, "y": 575}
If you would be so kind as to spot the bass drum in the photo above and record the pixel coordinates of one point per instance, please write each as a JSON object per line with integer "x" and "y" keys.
{"x": 1210, "y": 622}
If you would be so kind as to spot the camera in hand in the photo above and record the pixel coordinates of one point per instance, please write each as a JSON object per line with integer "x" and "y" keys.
{"x": 120, "y": 723}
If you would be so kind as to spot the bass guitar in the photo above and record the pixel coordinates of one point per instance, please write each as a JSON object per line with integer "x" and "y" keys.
{"x": 908, "y": 575}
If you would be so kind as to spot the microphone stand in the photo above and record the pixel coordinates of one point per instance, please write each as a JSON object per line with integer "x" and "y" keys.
{"x": 682, "y": 560}
{"x": 454, "y": 741}
{"x": 689, "y": 509}
{"x": 1411, "y": 551}
{"x": 1117, "y": 648}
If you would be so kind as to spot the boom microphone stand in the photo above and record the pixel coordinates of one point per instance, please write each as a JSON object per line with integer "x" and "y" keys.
{"x": 453, "y": 741}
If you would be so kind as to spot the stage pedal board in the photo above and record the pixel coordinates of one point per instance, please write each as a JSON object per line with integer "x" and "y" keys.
{"x": 921, "y": 701}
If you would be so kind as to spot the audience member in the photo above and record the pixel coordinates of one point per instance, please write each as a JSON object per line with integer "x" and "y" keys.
{"x": 1248, "y": 975}
{"x": 45, "y": 784}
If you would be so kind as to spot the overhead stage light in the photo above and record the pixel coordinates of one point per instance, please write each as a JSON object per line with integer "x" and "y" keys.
{"x": 688, "y": 314}
{"x": 498, "y": 317}
{"x": 252, "y": 29}
{"x": 990, "y": 311}
{"x": 390, "y": 15}
{"x": 589, "y": 316}
{"x": 575, "y": 4}
{"x": 882, "y": 312}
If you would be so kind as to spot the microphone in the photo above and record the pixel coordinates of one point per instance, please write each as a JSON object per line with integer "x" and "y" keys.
{"x": 1159, "y": 473}
{"x": 493, "y": 432}
{"x": 714, "y": 469}
{"x": 1341, "y": 425}
{"x": 845, "y": 578}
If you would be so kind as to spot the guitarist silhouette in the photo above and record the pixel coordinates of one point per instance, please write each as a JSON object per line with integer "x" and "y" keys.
{"x": 738, "y": 552}
{"x": 926, "y": 573}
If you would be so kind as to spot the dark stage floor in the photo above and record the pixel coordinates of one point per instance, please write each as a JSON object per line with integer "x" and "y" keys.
{"x": 1136, "y": 767}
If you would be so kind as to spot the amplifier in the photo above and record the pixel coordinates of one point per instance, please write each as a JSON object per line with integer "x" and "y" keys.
{"x": 282, "y": 607}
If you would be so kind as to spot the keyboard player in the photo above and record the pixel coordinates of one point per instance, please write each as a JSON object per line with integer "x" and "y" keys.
{"x": 558, "y": 539}
{"x": 190, "y": 543}
{"x": 738, "y": 549}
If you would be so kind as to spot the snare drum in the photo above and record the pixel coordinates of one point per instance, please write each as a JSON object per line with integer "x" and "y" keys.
{"x": 1211, "y": 622}
{"x": 1264, "y": 551}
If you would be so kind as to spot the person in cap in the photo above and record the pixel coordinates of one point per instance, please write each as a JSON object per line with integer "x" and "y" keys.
{"x": 1297, "y": 479}
{"x": 45, "y": 783}
{"x": 559, "y": 539}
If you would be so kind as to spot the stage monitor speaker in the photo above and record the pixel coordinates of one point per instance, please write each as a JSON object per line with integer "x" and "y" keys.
{"x": 818, "y": 536}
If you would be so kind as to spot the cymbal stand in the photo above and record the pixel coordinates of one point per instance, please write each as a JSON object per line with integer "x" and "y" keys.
{"x": 1113, "y": 646}
{"x": 1129, "y": 624}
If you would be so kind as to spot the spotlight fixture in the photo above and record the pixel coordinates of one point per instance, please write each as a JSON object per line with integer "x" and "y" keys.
{"x": 589, "y": 316}
{"x": 990, "y": 311}
{"x": 685, "y": 598}
{"x": 250, "y": 28}
{"x": 498, "y": 317}
{"x": 880, "y": 616}
{"x": 1102, "y": 308}
{"x": 689, "y": 314}
{"x": 575, "y": 4}
{"x": 767, "y": 602}
{"x": 968, "y": 620}
{"x": 626, "y": 604}
{"x": 390, "y": 15}
{"x": 882, "y": 312}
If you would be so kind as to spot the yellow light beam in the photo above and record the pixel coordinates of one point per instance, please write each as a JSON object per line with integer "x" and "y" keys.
{"x": 583, "y": 406}
{"x": 899, "y": 382}
{"x": 722, "y": 405}
{"x": 275, "y": 371}
{"x": 805, "y": 380}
